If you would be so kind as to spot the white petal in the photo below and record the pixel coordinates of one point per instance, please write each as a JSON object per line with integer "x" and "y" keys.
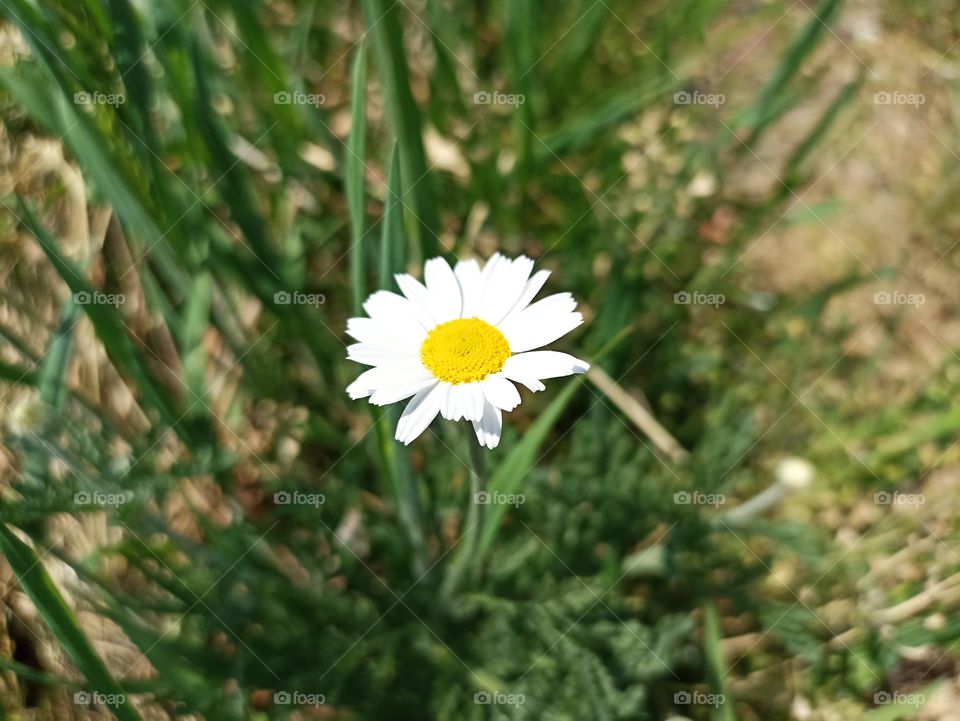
{"x": 542, "y": 364}
{"x": 488, "y": 428}
{"x": 375, "y": 354}
{"x": 419, "y": 298}
{"x": 541, "y": 323}
{"x": 421, "y": 409}
{"x": 505, "y": 285}
{"x": 402, "y": 386}
{"x": 500, "y": 392}
{"x": 384, "y": 305}
{"x": 404, "y": 334}
{"x": 473, "y": 401}
{"x": 386, "y": 381}
{"x": 366, "y": 383}
{"x": 468, "y": 275}
{"x": 465, "y": 401}
{"x": 451, "y": 408}
{"x": 528, "y": 382}
{"x": 530, "y": 291}
{"x": 446, "y": 301}
{"x": 490, "y": 269}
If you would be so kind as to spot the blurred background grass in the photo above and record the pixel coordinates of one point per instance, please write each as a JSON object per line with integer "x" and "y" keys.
{"x": 754, "y": 203}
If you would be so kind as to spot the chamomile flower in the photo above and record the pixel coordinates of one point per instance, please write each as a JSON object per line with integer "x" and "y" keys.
{"x": 458, "y": 342}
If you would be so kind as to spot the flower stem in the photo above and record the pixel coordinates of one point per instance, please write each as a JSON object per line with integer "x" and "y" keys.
{"x": 465, "y": 563}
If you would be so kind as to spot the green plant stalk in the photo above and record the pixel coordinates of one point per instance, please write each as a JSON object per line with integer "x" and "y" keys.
{"x": 507, "y": 477}
{"x": 716, "y": 665}
{"x": 399, "y": 474}
{"x": 467, "y": 563}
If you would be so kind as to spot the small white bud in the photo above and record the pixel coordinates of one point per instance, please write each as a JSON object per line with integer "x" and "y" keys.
{"x": 795, "y": 473}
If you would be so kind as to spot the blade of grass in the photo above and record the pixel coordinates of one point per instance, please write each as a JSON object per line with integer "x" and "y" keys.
{"x": 394, "y": 457}
{"x": 354, "y": 181}
{"x": 45, "y": 596}
{"x": 816, "y": 135}
{"x": 109, "y": 328}
{"x": 759, "y": 116}
{"x": 385, "y": 27}
{"x": 716, "y": 665}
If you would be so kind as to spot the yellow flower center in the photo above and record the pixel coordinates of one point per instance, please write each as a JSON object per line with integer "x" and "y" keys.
{"x": 464, "y": 350}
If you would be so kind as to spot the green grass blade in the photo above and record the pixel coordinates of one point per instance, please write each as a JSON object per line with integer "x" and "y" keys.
{"x": 45, "y": 596}
{"x": 395, "y": 458}
{"x": 716, "y": 665}
{"x": 196, "y": 321}
{"x": 509, "y": 474}
{"x": 815, "y": 136}
{"x": 384, "y": 23}
{"x": 759, "y": 117}
{"x": 393, "y": 243}
{"x": 356, "y": 199}
{"x": 109, "y": 328}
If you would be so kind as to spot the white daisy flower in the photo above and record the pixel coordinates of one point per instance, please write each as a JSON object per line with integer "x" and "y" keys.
{"x": 456, "y": 343}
